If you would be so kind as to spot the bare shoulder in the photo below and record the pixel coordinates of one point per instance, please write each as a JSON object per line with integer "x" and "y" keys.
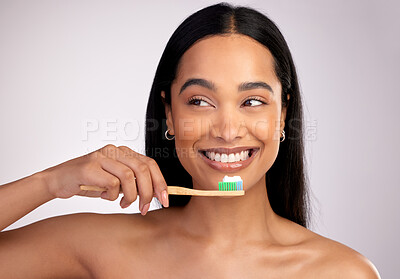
{"x": 84, "y": 231}
{"x": 53, "y": 246}
{"x": 321, "y": 257}
{"x": 89, "y": 234}
{"x": 336, "y": 260}
{"x": 102, "y": 240}
{"x": 79, "y": 245}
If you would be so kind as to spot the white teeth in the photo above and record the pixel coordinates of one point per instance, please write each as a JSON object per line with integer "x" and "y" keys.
{"x": 225, "y": 158}
{"x": 237, "y": 157}
{"x": 212, "y": 156}
{"x": 231, "y": 158}
{"x": 244, "y": 155}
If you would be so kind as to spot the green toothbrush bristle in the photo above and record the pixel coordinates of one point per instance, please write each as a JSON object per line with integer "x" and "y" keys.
{"x": 230, "y": 186}
{"x": 227, "y": 186}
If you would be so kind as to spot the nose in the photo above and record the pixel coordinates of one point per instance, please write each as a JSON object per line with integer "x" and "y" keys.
{"x": 228, "y": 126}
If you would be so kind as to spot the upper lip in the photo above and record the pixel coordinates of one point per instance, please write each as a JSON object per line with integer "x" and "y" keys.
{"x": 228, "y": 150}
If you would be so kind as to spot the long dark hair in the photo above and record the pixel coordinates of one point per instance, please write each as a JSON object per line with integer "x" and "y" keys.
{"x": 286, "y": 180}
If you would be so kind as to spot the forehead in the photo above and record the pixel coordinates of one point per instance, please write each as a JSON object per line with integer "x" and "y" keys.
{"x": 230, "y": 57}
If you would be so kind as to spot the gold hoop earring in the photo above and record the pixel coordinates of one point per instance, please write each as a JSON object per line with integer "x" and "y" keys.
{"x": 283, "y": 135}
{"x": 166, "y": 135}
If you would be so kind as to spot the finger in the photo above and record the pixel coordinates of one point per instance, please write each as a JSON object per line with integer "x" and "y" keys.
{"x": 127, "y": 156}
{"x": 113, "y": 152}
{"x": 143, "y": 176}
{"x": 158, "y": 182}
{"x": 106, "y": 180}
{"x": 127, "y": 178}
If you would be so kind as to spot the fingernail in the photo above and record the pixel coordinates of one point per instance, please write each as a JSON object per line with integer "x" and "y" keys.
{"x": 124, "y": 204}
{"x": 145, "y": 208}
{"x": 164, "y": 196}
{"x": 103, "y": 195}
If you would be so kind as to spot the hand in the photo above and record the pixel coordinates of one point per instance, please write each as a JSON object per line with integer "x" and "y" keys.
{"x": 114, "y": 168}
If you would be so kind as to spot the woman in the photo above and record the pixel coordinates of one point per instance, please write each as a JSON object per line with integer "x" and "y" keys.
{"x": 226, "y": 84}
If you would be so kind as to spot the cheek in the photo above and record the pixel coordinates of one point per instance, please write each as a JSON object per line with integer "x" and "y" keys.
{"x": 190, "y": 126}
{"x": 265, "y": 129}
{"x": 188, "y": 129}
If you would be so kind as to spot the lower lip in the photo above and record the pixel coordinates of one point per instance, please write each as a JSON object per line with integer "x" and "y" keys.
{"x": 229, "y": 167}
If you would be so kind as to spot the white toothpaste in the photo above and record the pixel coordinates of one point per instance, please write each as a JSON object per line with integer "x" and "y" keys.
{"x": 237, "y": 179}
{"x": 231, "y": 179}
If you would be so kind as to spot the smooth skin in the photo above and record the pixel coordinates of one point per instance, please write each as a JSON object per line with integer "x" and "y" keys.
{"x": 211, "y": 237}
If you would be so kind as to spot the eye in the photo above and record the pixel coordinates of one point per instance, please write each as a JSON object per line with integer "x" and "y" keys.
{"x": 197, "y": 101}
{"x": 253, "y": 102}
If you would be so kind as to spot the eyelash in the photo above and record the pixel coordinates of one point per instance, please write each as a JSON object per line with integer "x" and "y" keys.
{"x": 255, "y": 98}
{"x": 192, "y": 99}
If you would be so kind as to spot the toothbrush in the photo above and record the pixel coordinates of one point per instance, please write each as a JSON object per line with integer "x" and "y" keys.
{"x": 230, "y": 186}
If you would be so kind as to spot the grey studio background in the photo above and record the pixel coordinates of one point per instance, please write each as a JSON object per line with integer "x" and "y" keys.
{"x": 75, "y": 76}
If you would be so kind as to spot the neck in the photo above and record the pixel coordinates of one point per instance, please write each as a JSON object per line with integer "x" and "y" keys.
{"x": 232, "y": 219}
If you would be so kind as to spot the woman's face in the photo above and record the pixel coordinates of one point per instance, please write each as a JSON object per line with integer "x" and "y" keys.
{"x": 226, "y": 110}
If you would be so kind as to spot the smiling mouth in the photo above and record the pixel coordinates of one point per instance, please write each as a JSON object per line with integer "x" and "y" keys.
{"x": 228, "y": 156}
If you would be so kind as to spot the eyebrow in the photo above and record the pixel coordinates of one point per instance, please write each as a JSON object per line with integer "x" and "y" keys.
{"x": 211, "y": 86}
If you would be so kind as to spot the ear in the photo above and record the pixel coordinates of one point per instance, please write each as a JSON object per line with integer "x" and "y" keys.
{"x": 168, "y": 114}
{"x": 283, "y": 114}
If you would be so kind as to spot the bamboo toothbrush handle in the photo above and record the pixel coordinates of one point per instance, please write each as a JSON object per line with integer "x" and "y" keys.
{"x": 176, "y": 190}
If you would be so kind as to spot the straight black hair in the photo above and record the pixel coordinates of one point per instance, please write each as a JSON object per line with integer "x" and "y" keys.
{"x": 286, "y": 179}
